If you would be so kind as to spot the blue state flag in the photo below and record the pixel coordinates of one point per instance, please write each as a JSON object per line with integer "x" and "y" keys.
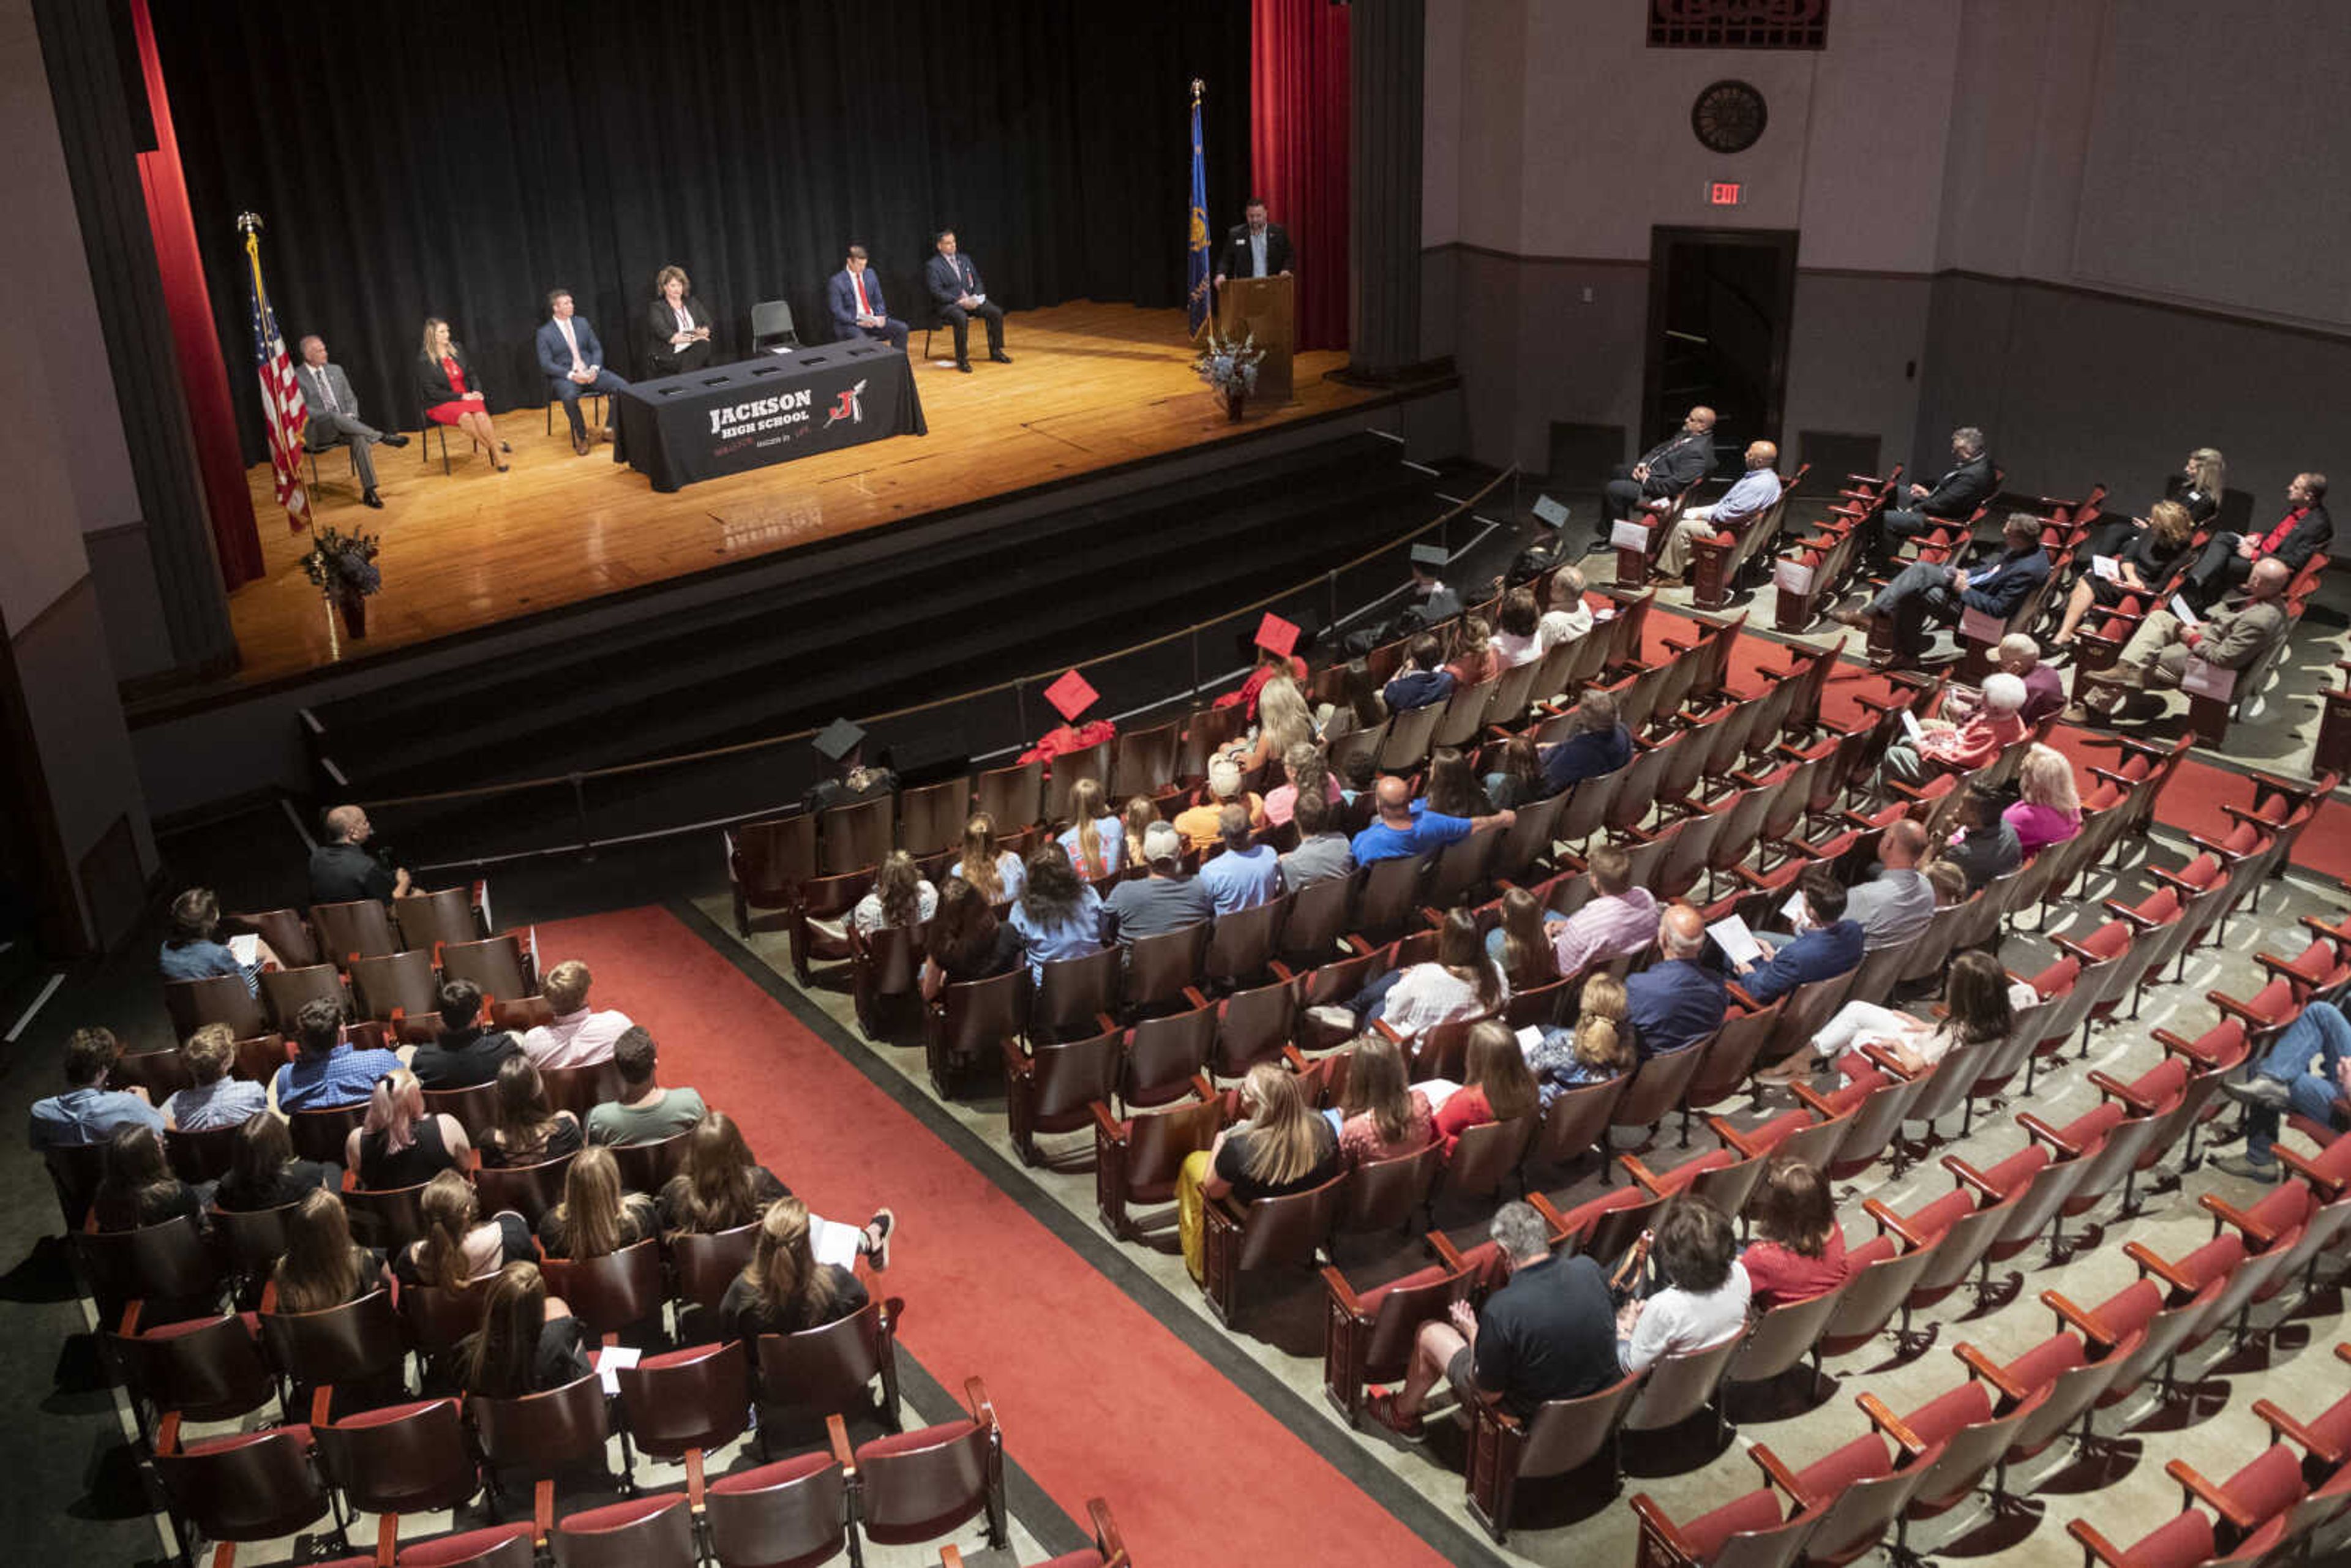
{"x": 1196, "y": 260}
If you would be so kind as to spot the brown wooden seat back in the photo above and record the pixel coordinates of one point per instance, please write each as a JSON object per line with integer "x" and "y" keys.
{"x": 363, "y": 926}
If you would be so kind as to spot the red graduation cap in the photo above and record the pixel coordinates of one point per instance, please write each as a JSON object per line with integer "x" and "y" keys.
{"x": 1276, "y": 635}
{"x": 1070, "y": 696}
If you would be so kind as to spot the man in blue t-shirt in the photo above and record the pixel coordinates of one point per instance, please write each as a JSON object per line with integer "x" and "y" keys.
{"x": 1398, "y": 832}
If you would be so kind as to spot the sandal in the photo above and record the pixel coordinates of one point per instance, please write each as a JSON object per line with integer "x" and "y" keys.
{"x": 877, "y": 1237}
{"x": 1381, "y": 1404}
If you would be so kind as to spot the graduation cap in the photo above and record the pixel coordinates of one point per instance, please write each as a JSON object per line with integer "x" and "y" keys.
{"x": 1276, "y": 635}
{"x": 1071, "y": 695}
{"x": 1433, "y": 557}
{"x": 838, "y": 739}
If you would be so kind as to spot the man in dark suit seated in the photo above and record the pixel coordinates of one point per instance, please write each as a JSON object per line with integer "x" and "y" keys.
{"x": 1665, "y": 471}
{"x": 1256, "y": 248}
{"x": 958, "y": 294}
{"x": 573, "y": 360}
{"x": 1923, "y": 588}
{"x": 1954, "y": 497}
{"x": 854, "y": 296}
{"x": 1676, "y": 1001}
{"x": 2227, "y": 561}
{"x": 1829, "y": 945}
{"x": 1598, "y": 744}
{"x": 334, "y": 417}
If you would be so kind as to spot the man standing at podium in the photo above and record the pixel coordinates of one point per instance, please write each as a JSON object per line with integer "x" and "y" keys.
{"x": 854, "y": 296}
{"x": 958, "y": 295}
{"x": 1256, "y": 248}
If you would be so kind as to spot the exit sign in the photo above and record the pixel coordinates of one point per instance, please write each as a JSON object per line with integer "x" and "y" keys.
{"x": 1726, "y": 193}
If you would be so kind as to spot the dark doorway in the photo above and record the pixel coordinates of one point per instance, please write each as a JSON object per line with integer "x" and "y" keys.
{"x": 1720, "y": 305}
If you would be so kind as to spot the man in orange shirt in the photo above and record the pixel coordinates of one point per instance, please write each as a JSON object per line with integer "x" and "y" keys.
{"x": 1198, "y": 825}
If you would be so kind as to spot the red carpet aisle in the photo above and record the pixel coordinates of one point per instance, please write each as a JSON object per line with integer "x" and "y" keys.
{"x": 1120, "y": 1409}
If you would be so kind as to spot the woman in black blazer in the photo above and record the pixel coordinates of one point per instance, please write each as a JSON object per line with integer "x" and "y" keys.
{"x": 678, "y": 329}
{"x": 444, "y": 378}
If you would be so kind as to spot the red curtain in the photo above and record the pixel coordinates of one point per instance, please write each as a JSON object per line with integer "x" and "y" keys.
{"x": 1298, "y": 151}
{"x": 204, "y": 375}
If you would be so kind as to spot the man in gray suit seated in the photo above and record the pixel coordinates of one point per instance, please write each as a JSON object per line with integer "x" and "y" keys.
{"x": 335, "y": 415}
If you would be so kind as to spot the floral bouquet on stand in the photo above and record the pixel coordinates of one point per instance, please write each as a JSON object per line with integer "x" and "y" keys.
{"x": 343, "y": 565}
{"x": 1230, "y": 368}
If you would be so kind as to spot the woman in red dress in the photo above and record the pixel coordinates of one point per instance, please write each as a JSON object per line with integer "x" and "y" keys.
{"x": 443, "y": 373}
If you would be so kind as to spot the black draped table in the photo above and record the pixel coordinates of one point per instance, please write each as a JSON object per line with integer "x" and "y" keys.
{"x": 707, "y": 423}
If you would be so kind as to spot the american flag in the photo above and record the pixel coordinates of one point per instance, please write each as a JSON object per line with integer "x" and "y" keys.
{"x": 282, "y": 411}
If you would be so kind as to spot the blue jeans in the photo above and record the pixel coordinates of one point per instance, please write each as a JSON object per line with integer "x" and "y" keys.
{"x": 2304, "y": 1059}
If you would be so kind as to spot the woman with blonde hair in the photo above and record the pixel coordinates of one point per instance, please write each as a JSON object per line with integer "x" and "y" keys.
{"x": 1475, "y": 659}
{"x": 1599, "y": 1047}
{"x": 1133, "y": 822}
{"x": 2050, "y": 812}
{"x": 459, "y": 1246}
{"x": 783, "y": 1289}
{"x": 994, "y": 873}
{"x": 444, "y": 374}
{"x": 322, "y": 1268}
{"x": 1497, "y": 1085}
{"x": 598, "y": 1216}
{"x": 1095, "y": 840}
{"x": 1283, "y": 1147}
{"x": 1308, "y": 769}
{"x": 528, "y": 1342}
{"x": 1383, "y": 1116}
{"x": 401, "y": 1143}
{"x": 2153, "y": 556}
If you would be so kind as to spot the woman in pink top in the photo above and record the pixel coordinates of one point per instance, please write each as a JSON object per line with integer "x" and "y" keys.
{"x": 1385, "y": 1117}
{"x": 1305, "y": 764}
{"x": 1801, "y": 1252}
{"x": 2050, "y": 812}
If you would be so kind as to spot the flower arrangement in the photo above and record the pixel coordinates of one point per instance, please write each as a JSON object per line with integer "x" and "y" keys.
{"x": 1229, "y": 369}
{"x": 343, "y": 563}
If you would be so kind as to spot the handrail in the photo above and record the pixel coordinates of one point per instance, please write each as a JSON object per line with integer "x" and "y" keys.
{"x": 620, "y": 770}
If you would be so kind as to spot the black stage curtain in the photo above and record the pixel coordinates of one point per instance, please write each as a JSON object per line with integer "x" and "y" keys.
{"x": 459, "y": 158}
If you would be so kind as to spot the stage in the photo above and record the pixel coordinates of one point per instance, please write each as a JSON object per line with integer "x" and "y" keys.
{"x": 1093, "y": 387}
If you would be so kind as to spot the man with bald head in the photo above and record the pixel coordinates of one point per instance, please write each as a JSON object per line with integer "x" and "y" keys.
{"x": 334, "y": 415}
{"x": 1756, "y": 493}
{"x": 1665, "y": 471}
{"x": 1678, "y": 1000}
{"x": 1896, "y": 905}
{"x": 342, "y": 871}
{"x": 1397, "y": 832}
{"x": 2233, "y": 637}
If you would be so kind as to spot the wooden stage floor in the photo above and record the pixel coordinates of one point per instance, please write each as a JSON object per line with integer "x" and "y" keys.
{"x": 1092, "y": 386}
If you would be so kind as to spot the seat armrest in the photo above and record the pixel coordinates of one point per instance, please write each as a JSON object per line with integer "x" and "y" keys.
{"x": 2149, "y": 1264}
{"x": 2198, "y": 1489}
{"x": 1887, "y": 1220}
{"x": 2282, "y": 1425}
{"x": 1893, "y": 1426}
{"x": 1978, "y": 1365}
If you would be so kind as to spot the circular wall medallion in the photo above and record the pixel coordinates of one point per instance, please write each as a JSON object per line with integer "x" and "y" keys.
{"x": 1729, "y": 117}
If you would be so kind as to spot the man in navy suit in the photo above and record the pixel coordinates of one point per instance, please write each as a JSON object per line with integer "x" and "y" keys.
{"x": 958, "y": 295}
{"x": 574, "y": 362}
{"x": 1923, "y": 588}
{"x": 1829, "y": 945}
{"x": 1678, "y": 1001}
{"x": 858, "y": 310}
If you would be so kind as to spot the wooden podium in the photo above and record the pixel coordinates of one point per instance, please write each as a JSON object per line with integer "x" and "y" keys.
{"x": 1266, "y": 308}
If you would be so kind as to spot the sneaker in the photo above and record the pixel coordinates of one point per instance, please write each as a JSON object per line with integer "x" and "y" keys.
{"x": 1382, "y": 1403}
{"x": 877, "y": 1232}
{"x": 2250, "y": 1168}
{"x": 2259, "y": 1090}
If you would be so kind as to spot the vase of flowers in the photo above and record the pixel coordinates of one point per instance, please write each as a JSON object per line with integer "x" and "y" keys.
{"x": 343, "y": 565}
{"x": 1231, "y": 369}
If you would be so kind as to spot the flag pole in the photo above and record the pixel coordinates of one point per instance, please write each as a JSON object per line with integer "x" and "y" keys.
{"x": 281, "y": 400}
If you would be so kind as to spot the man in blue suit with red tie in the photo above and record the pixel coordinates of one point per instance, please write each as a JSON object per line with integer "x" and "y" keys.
{"x": 858, "y": 310}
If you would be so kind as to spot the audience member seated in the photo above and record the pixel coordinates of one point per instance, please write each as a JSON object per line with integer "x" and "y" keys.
{"x": 783, "y": 1289}
{"x": 1400, "y": 832}
{"x": 263, "y": 1172}
{"x": 1705, "y": 1292}
{"x": 1133, "y": 822}
{"x": 2049, "y": 811}
{"x": 597, "y": 1216}
{"x": 1202, "y": 824}
{"x": 1280, "y": 1147}
{"x": 459, "y": 1247}
{"x": 967, "y": 941}
{"x": 1977, "y": 1010}
{"x": 1271, "y": 663}
{"x": 901, "y": 896}
{"x": 467, "y": 1053}
{"x": 342, "y": 869}
{"x": 2308, "y": 1073}
{"x": 322, "y": 1268}
{"x": 1756, "y": 492}
{"x": 1360, "y": 705}
{"x": 1678, "y": 1000}
{"x": 194, "y": 951}
{"x": 529, "y": 1131}
{"x": 1953, "y": 499}
{"x": 1983, "y": 846}
{"x": 1381, "y": 1116}
{"x": 1548, "y": 1333}
{"x": 1518, "y": 629}
{"x": 842, "y": 745}
{"x": 1522, "y": 945}
{"x": 401, "y": 1143}
{"x": 1322, "y": 851}
{"x": 1452, "y": 788}
{"x": 1357, "y": 775}
{"x": 1825, "y": 946}
{"x": 718, "y": 1186}
{"x": 1896, "y": 905}
{"x": 1665, "y": 471}
{"x": 577, "y": 1037}
{"x": 1247, "y": 875}
{"x": 994, "y": 872}
{"x": 1283, "y": 721}
{"x": 1058, "y": 917}
{"x": 1096, "y": 841}
{"x": 2228, "y": 561}
{"x": 89, "y": 1111}
{"x": 1460, "y": 982}
{"x": 326, "y": 1072}
{"x": 1989, "y": 731}
{"x": 1304, "y": 767}
{"x": 646, "y": 1112}
{"x": 1427, "y": 596}
{"x": 1497, "y": 1084}
{"x": 1423, "y": 681}
{"x": 1569, "y": 617}
{"x": 2197, "y": 488}
{"x": 1597, "y": 1047}
{"x": 2145, "y": 564}
{"x": 1473, "y": 660}
{"x": 1799, "y": 1250}
{"x": 1596, "y": 744}
{"x": 1617, "y": 921}
{"x": 1165, "y": 900}
{"x": 528, "y": 1342}
{"x": 2232, "y": 637}
{"x": 138, "y": 1188}
{"x": 1518, "y": 779}
{"x": 215, "y": 1100}
{"x": 1943, "y": 592}
{"x": 1949, "y": 883}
